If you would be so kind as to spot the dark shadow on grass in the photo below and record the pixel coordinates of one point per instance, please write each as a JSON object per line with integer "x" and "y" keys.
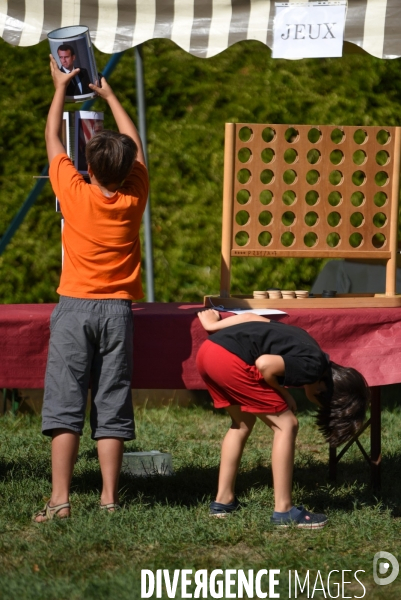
{"x": 191, "y": 485}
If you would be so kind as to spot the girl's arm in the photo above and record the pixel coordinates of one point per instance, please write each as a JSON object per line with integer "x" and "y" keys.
{"x": 211, "y": 320}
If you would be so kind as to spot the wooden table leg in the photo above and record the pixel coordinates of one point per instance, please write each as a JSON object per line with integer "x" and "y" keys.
{"x": 375, "y": 437}
{"x": 332, "y": 464}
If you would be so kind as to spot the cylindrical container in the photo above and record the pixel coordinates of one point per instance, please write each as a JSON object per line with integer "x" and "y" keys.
{"x": 72, "y": 48}
{"x": 146, "y": 464}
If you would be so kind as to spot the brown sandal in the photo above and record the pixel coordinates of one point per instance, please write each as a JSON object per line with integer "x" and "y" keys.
{"x": 49, "y": 512}
{"x": 111, "y": 507}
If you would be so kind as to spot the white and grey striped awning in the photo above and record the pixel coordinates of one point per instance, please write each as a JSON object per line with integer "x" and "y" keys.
{"x": 202, "y": 27}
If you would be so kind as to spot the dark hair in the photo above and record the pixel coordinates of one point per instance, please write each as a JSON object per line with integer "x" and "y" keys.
{"x": 344, "y": 404}
{"x": 66, "y": 48}
{"x": 111, "y": 156}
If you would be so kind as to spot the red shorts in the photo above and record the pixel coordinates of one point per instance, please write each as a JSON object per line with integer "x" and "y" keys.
{"x": 231, "y": 381}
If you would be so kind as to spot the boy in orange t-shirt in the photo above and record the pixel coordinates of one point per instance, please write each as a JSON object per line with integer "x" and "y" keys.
{"x": 91, "y": 328}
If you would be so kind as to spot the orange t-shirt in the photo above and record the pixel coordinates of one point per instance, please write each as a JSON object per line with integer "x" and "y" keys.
{"x": 102, "y": 254}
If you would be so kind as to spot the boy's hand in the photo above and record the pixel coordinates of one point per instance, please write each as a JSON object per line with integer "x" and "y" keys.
{"x": 105, "y": 91}
{"x": 292, "y": 405}
{"x": 60, "y": 79}
{"x": 209, "y": 318}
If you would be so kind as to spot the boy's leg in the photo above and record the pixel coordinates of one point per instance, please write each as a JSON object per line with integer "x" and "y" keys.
{"x": 112, "y": 417}
{"x": 231, "y": 452}
{"x": 285, "y": 428}
{"x": 110, "y": 452}
{"x": 65, "y": 444}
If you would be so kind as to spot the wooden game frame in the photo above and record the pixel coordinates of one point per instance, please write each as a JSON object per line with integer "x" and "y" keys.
{"x": 310, "y": 191}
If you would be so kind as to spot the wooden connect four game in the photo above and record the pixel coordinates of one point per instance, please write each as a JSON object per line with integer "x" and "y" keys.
{"x": 311, "y": 191}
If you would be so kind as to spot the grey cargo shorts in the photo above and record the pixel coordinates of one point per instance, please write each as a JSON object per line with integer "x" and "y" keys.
{"x": 91, "y": 344}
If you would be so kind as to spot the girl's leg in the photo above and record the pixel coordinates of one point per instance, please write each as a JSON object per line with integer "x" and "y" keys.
{"x": 110, "y": 452}
{"x": 231, "y": 452}
{"x": 65, "y": 444}
{"x": 285, "y": 428}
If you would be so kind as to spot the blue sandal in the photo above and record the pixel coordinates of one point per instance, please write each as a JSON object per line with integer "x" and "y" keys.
{"x": 217, "y": 509}
{"x": 299, "y": 517}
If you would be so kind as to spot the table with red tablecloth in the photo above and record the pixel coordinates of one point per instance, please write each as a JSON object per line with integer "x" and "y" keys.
{"x": 167, "y": 337}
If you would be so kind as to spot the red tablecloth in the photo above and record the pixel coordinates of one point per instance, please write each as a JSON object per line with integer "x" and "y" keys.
{"x": 167, "y": 338}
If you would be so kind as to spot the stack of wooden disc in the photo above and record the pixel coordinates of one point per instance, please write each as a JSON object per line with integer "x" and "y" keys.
{"x": 302, "y": 294}
{"x": 287, "y": 294}
{"x": 259, "y": 295}
{"x": 274, "y": 294}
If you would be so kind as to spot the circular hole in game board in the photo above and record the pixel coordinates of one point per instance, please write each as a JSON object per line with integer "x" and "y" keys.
{"x": 333, "y": 240}
{"x": 358, "y": 178}
{"x": 291, "y": 135}
{"x": 337, "y": 136}
{"x": 313, "y": 156}
{"x": 266, "y": 176}
{"x": 243, "y": 196}
{"x": 355, "y": 240}
{"x": 288, "y": 218}
{"x": 312, "y": 177}
{"x": 381, "y": 178}
{"x": 311, "y": 197}
{"x": 289, "y": 176}
{"x": 266, "y": 197}
{"x": 265, "y": 218}
{"x": 267, "y": 155}
{"x": 334, "y": 219}
{"x": 383, "y": 137}
{"x": 382, "y": 158}
{"x": 268, "y": 134}
{"x": 287, "y": 239}
{"x": 243, "y": 175}
{"x": 245, "y": 134}
{"x": 242, "y": 217}
{"x": 242, "y": 238}
{"x": 311, "y": 218}
{"x": 357, "y": 199}
{"x": 357, "y": 219}
{"x": 289, "y": 197}
{"x": 314, "y": 135}
{"x": 379, "y": 220}
{"x": 380, "y": 199}
{"x": 290, "y": 156}
{"x": 360, "y": 136}
{"x": 310, "y": 239}
{"x": 336, "y": 177}
{"x": 336, "y": 157}
{"x": 359, "y": 157}
{"x": 335, "y": 198}
{"x": 264, "y": 238}
{"x": 244, "y": 155}
{"x": 378, "y": 240}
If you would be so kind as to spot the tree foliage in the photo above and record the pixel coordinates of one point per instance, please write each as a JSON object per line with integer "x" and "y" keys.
{"x": 188, "y": 102}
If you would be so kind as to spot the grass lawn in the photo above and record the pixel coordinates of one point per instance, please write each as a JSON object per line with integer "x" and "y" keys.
{"x": 165, "y": 522}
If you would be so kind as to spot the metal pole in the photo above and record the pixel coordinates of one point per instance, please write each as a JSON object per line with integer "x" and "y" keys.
{"x": 140, "y": 95}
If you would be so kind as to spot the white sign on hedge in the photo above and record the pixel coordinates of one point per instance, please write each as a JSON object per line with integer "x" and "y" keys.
{"x": 308, "y": 29}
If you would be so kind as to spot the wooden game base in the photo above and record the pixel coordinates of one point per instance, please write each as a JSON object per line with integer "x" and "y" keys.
{"x": 340, "y": 301}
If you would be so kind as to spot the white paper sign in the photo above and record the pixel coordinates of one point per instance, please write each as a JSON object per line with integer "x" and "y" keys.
{"x": 308, "y": 29}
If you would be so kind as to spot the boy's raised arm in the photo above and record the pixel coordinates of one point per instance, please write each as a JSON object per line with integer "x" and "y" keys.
{"x": 61, "y": 80}
{"x": 121, "y": 117}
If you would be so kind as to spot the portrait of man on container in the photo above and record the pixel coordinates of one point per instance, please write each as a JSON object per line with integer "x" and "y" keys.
{"x": 79, "y": 85}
